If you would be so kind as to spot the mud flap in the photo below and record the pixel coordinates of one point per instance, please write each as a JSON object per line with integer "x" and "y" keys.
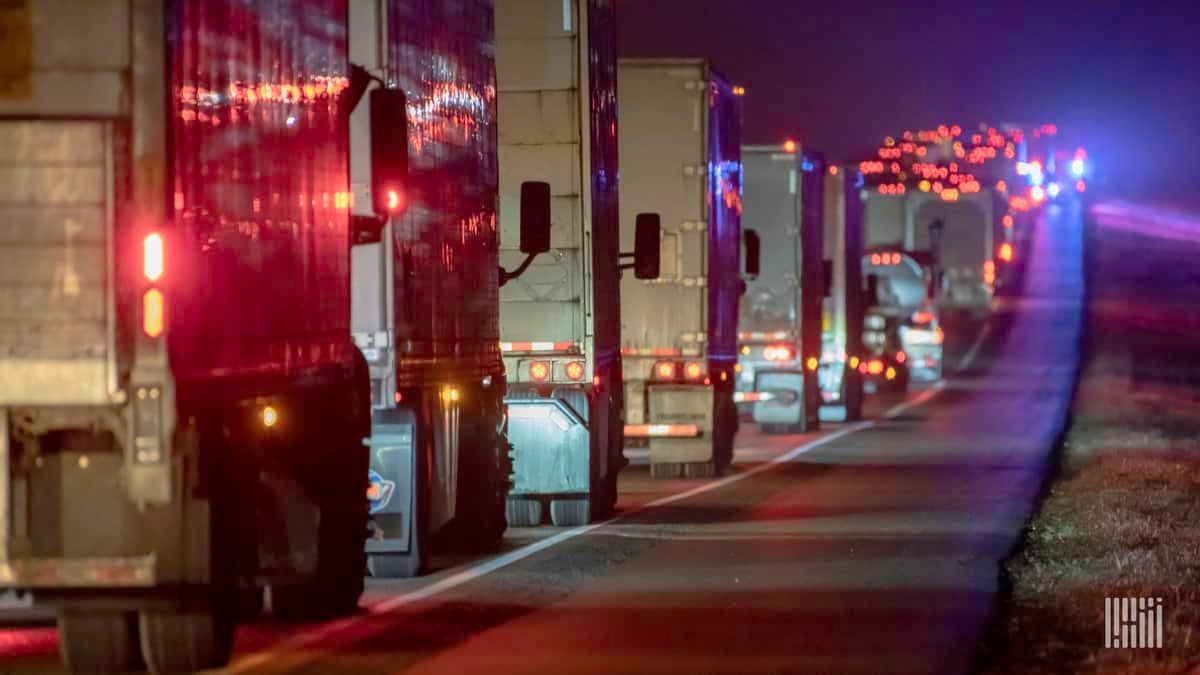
{"x": 785, "y": 410}
{"x": 682, "y": 404}
{"x": 551, "y": 447}
{"x": 391, "y": 487}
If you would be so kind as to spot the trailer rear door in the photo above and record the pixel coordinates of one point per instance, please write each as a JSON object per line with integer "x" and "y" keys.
{"x": 57, "y": 324}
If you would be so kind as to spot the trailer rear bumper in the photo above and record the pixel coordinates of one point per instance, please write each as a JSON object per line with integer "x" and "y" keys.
{"x": 551, "y": 447}
{"x": 68, "y": 573}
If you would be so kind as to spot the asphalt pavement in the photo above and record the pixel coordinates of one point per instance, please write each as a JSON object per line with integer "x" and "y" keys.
{"x": 863, "y": 548}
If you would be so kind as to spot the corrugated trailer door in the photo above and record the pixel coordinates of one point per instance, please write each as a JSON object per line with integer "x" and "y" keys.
{"x": 56, "y": 314}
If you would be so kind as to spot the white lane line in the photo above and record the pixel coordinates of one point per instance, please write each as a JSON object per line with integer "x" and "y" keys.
{"x": 920, "y": 399}
{"x": 475, "y": 572}
{"x": 969, "y": 357}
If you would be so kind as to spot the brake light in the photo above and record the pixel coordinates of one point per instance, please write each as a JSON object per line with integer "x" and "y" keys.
{"x": 1006, "y": 252}
{"x": 989, "y": 272}
{"x": 153, "y": 311}
{"x": 901, "y": 357}
{"x": 394, "y": 202}
{"x": 664, "y": 370}
{"x": 922, "y": 317}
{"x": 539, "y": 371}
{"x": 781, "y": 352}
{"x": 574, "y": 370}
{"x": 693, "y": 371}
{"x": 152, "y": 256}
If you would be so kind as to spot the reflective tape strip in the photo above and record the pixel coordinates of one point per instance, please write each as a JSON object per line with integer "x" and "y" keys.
{"x": 661, "y": 430}
{"x": 761, "y": 335}
{"x": 647, "y": 351}
{"x": 537, "y": 346}
{"x": 752, "y": 396}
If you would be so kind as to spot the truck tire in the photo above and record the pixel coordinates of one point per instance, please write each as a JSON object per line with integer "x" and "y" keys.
{"x": 571, "y": 512}
{"x": 341, "y": 551}
{"x": 481, "y": 513}
{"x": 186, "y": 642}
{"x": 523, "y": 512}
{"x": 98, "y": 642}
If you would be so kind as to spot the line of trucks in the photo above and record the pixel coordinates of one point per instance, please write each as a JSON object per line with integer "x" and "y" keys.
{"x": 257, "y": 258}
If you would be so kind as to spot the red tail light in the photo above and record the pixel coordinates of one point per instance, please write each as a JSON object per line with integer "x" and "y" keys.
{"x": 664, "y": 370}
{"x": 780, "y": 352}
{"x": 574, "y": 371}
{"x": 901, "y": 357}
{"x": 989, "y": 272}
{"x": 153, "y": 313}
{"x": 539, "y": 371}
{"x": 152, "y": 256}
{"x": 1006, "y": 252}
{"x": 693, "y": 371}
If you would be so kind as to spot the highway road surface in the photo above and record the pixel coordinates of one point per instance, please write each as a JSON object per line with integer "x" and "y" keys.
{"x": 863, "y": 548}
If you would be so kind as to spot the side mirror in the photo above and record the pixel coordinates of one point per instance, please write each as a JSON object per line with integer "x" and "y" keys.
{"x": 535, "y": 217}
{"x": 389, "y": 150}
{"x": 753, "y": 253}
{"x": 647, "y": 246}
{"x": 871, "y": 292}
{"x": 827, "y": 277}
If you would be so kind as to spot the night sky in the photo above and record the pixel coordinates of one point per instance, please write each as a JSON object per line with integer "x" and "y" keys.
{"x": 1122, "y": 79}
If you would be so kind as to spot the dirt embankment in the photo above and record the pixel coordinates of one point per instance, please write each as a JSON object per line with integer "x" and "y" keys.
{"x": 1123, "y": 516}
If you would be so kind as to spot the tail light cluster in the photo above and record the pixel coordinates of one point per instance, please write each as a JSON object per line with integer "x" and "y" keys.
{"x": 779, "y": 352}
{"x": 153, "y": 301}
{"x": 542, "y": 371}
{"x": 676, "y": 371}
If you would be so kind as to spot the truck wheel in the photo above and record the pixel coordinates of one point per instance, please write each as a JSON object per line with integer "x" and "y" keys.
{"x": 99, "y": 642}
{"x": 185, "y": 642}
{"x": 416, "y": 561}
{"x": 523, "y": 512}
{"x": 341, "y": 530}
{"x": 571, "y": 512}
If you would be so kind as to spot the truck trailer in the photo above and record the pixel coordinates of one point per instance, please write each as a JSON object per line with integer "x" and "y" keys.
{"x": 426, "y": 289}
{"x": 680, "y": 155}
{"x": 560, "y": 322}
{"x": 842, "y": 321}
{"x": 182, "y": 409}
{"x": 779, "y": 329}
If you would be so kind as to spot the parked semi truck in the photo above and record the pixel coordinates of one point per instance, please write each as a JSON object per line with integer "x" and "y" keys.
{"x": 680, "y": 152}
{"x": 842, "y": 320}
{"x": 560, "y": 322}
{"x": 181, "y": 407}
{"x": 779, "y": 329}
{"x": 426, "y": 289}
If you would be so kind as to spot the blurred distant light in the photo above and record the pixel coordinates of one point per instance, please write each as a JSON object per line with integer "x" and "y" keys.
{"x": 1006, "y": 252}
{"x": 833, "y": 170}
{"x": 1024, "y": 168}
{"x": 1052, "y": 190}
{"x": 1077, "y": 167}
{"x": 291, "y": 120}
{"x": 739, "y": 91}
{"x": 1037, "y": 194}
{"x": 789, "y": 145}
{"x": 1001, "y": 186}
{"x": 925, "y": 186}
{"x": 1080, "y": 186}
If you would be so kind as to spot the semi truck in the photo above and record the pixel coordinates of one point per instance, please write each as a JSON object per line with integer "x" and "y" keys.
{"x": 426, "y": 285}
{"x": 560, "y": 322}
{"x": 182, "y": 410}
{"x": 842, "y": 319}
{"x": 959, "y": 234}
{"x": 779, "y": 329}
{"x": 679, "y": 148}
